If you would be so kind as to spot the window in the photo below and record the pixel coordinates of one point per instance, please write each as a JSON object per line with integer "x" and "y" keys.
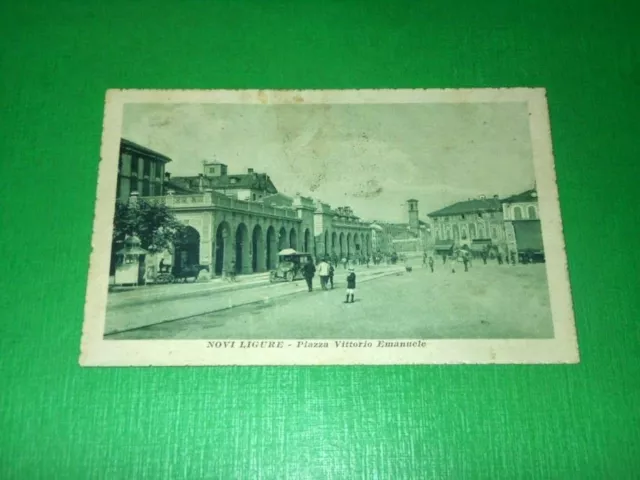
{"x": 531, "y": 212}
{"x": 146, "y": 167}
{"x": 134, "y": 165}
{"x": 517, "y": 213}
{"x": 472, "y": 230}
{"x": 494, "y": 233}
{"x": 462, "y": 216}
{"x": 456, "y": 232}
{"x": 134, "y": 185}
{"x": 159, "y": 170}
{"x": 145, "y": 188}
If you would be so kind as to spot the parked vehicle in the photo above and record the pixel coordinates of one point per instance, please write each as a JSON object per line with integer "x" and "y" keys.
{"x": 289, "y": 266}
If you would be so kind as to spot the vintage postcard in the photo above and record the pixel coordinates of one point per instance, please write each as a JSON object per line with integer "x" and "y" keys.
{"x": 327, "y": 227}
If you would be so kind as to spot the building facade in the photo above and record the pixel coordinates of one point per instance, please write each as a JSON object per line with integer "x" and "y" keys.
{"x": 242, "y": 219}
{"x": 477, "y": 223}
{"x": 141, "y": 170}
{"x": 522, "y": 224}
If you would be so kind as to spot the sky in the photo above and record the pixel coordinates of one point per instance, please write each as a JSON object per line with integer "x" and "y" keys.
{"x": 372, "y": 157}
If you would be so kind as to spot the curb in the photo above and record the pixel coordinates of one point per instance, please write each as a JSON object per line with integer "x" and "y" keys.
{"x": 242, "y": 304}
{"x": 197, "y": 293}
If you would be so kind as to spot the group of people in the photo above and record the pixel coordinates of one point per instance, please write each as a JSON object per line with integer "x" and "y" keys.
{"x": 326, "y": 271}
{"x": 464, "y": 257}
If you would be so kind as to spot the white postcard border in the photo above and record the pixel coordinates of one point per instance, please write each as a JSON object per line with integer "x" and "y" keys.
{"x": 563, "y": 348}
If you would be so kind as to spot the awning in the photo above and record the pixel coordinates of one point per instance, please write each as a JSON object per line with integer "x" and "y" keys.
{"x": 528, "y": 236}
{"x": 480, "y": 244}
{"x": 443, "y": 246}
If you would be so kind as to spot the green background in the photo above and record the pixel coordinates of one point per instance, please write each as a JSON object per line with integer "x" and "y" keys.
{"x": 484, "y": 422}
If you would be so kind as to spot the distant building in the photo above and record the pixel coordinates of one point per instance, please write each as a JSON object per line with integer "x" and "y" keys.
{"x": 404, "y": 238}
{"x": 141, "y": 170}
{"x": 476, "y": 222}
{"x": 250, "y": 186}
{"x": 522, "y": 224}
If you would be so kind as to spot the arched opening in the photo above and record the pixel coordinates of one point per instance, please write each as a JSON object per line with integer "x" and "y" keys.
{"x": 456, "y": 233}
{"x": 481, "y": 231}
{"x": 222, "y": 247}
{"x": 341, "y": 244}
{"x": 307, "y": 240}
{"x": 357, "y": 244}
{"x": 187, "y": 249}
{"x": 532, "y": 213}
{"x": 282, "y": 239}
{"x": 349, "y": 252}
{"x": 242, "y": 249}
{"x": 334, "y": 241}
{"x": 517, "y": 213}
{"x": 272, "y": 250}
{"x": 472, "y": 231}
{"x": 257, "y": 244}
{"x": 293, "y": 239}
{"x": 326, "y": 242}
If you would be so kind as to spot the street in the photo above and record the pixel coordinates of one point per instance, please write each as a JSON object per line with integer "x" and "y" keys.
{"x": 489, "y": 301}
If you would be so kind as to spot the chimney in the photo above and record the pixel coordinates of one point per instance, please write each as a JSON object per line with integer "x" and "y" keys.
{"x": 250, "y": 170}
{"x": 482, "y": 197}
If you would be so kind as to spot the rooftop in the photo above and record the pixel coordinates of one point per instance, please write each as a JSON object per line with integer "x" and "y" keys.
{"x": 249, "y": 181}
{"x": 492, "y": 204}
{"x": 129, "y": 145}
{"x": 528, "y": 196}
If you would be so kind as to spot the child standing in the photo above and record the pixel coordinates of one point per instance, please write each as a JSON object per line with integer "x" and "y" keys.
{"x": 351, "y": 285}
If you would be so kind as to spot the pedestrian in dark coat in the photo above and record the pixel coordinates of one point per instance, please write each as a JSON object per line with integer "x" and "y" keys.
{"x": 351, "y": 286}
{"x": 309, "y": 271}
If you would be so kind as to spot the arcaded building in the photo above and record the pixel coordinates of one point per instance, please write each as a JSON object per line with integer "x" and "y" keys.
{"x": 241, "y": 217}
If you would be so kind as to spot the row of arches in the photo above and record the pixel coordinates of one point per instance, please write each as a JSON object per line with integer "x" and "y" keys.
{"x": 346, "y": 245}
{"x": 255, "y": 251}
{"x": 240, "y": 249}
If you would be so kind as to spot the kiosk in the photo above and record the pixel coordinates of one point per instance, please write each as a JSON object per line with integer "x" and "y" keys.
{"x": 130, "y": 263}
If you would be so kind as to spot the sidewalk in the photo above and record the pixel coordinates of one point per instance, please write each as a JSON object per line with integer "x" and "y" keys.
{"x": 130, "y": 317}
{"x": 162, "y": 293}
{"x": 173, "y": 291}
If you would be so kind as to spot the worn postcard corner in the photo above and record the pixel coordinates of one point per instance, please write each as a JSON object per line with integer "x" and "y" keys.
{"x": 327, "y": 227}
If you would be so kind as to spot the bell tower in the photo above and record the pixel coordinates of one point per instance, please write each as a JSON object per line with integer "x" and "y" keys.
{"x": 412, "y": 205}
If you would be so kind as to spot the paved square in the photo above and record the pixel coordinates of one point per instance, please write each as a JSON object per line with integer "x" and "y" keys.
{"x": 488, "y": 302}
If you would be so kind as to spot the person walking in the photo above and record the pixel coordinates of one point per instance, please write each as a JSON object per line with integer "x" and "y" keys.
{"x": 232, "y": 271}
{"x": 351, "y": 286}
{"x": 332, "y": 270}
{"x": 309, "y": 271}
{"x": 431, "y": 264}
{"x": 323, "y": 272}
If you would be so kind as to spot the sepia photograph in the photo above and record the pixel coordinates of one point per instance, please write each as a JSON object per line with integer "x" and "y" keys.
{"x": 327, "y": 227}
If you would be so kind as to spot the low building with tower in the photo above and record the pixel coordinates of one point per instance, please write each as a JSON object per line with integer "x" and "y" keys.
{"x": 522, "y": 225}
{"x": 476, "y": 223}
{"x": 412, "y": 237}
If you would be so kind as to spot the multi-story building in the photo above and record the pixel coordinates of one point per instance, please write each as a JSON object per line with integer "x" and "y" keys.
{"x": 522, "y": 225}
{"x": 476, "y": 222}
{"x": 141, "y": 170}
